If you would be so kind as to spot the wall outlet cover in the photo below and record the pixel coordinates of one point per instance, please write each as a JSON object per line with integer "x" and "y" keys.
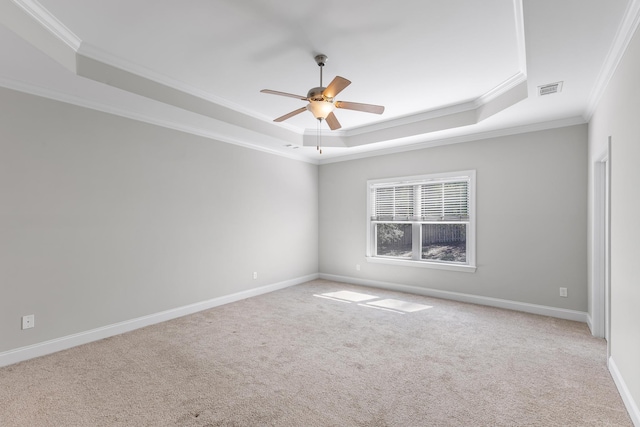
{"x": 28, "y": 321}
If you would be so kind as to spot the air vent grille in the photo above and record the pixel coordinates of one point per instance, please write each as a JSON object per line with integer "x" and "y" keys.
{"x": 550, "y": 88}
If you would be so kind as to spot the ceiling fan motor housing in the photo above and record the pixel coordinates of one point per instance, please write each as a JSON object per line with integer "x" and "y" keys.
{"x": 315, "y": 94}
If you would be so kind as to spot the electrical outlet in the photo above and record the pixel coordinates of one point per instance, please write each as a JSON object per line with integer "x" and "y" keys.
{"x": 255, "y": 274}
{"x": 563, "y": 292}
{"x": 357, "y": 267}
{"x": 28, "y": 321}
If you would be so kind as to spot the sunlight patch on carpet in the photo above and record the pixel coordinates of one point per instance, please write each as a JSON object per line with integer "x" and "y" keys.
{"x": 381, "y": 308}
{"x": 394, "y": 304}
{"x": 366, "y": 300}
{"x": 331, "y": 298}
{"x": 349, "y": 296}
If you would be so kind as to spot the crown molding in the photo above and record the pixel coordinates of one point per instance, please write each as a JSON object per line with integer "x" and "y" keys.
{"x": 103, "y": 67}
{"x": 81, "y": 48}
{"x": 470, "y": 137}
{"x": 90, "y": 51}
{"x": 50, "y": 22}
{"x": 410, "y": 119}
{"x": 520, "y": 38}
{"x": 225, "y": 137}
{"x": 470, "y": 113}
{"x": 36, "y": 11}
{"x": 503, "y": 88}
{"x": 623, "y": 37}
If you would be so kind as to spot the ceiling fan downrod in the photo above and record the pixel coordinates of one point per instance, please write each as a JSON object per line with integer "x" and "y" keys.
{"x": 321, "y": 60}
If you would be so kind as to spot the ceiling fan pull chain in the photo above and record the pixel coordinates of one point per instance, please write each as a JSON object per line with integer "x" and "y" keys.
{"x": 319, "y": 136}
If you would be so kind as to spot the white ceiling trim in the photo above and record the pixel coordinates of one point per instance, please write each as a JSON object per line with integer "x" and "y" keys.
{"x": 501, "y": 89}
{"x": 451, "y": 117}
{"x": 436, "y": 142}
{"x": 50, "y": 22}
{"x": 89, "y": 51}
{"x": 404, "y": 120}
{"x": 625, "y": 32}
{"x": 104, "y": 67}
{"x": 31, "y": 22}
{"x": 520, "y": 40}
{"x": 225, "y": 137}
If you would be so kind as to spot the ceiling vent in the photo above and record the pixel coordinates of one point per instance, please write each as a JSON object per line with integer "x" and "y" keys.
{"x": 550, "y": 88}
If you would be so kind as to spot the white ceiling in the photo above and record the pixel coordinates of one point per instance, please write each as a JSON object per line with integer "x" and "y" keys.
{"x": 446, "y": 70}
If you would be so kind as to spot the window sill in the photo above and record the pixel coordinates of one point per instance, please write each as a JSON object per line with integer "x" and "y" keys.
{"x": 423, "y": 264}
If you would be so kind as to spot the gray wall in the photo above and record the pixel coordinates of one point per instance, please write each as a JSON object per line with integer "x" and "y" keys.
{"x": 531, "y": 217}
{"x": 617, "y": 116}
{"x": 104, "y": 219}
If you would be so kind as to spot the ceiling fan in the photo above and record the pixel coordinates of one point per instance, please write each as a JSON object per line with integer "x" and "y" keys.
{"x": 321, "y": 100}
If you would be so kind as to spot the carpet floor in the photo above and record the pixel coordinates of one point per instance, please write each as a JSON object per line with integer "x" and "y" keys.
{"x": 325, "y": 354}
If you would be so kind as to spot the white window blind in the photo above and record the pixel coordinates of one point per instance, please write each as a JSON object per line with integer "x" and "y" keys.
{"x": 437, "y": 201}
{"x": 445, "y": 201}
{"x": 394, "y": 203}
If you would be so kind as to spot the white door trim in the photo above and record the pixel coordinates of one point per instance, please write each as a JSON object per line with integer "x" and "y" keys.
{"x": 600, "y": 289}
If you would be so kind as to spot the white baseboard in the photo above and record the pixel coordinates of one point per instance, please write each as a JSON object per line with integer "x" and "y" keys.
{"x": 590, "y": 324}
{"x": 629, "y": 403}
{"x": 561, "y": 313}
{"x": 47, "y": 347}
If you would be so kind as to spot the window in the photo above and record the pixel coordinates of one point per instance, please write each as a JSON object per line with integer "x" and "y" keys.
{"x": 426, "y": 221}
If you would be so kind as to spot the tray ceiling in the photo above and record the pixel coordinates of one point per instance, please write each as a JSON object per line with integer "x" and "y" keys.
{"x": 444, "y": 70}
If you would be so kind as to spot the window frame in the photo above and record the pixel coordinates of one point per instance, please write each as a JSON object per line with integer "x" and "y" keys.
{"x": 417, "y": 261}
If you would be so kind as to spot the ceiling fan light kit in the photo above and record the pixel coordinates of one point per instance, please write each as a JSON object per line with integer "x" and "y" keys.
{"x": 320, "y": 109}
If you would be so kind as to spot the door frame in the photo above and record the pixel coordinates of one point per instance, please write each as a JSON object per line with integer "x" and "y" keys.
{"x": 601, "y": 283}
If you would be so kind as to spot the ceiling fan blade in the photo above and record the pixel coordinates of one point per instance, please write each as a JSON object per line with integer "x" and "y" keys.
{"x": 291, "y": 114}
{"x": 336, "y": 86}
{"x": 367, "y": 108}
{"x": 290, "y": 95}
{"x": 333, "y": 122}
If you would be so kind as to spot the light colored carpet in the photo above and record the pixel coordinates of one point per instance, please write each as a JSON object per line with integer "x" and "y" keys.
{"x": 292, "y": 358}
